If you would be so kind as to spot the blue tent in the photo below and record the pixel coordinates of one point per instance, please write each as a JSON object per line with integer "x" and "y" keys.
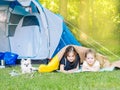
{"x": 32, "y": 31}
{"x": 67, "y": 38}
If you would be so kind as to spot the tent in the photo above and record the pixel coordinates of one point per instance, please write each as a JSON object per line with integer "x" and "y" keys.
{"x": 32, "y": 31}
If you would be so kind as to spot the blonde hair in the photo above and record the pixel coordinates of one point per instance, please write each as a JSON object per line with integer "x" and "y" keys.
{"x": 90, "y": 51}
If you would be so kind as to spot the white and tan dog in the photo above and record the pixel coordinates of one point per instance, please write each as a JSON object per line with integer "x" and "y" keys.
{"x": 26, "y": 66}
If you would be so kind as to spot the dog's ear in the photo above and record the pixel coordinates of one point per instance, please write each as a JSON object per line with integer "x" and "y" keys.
{"x": 22, "y": 60}
{"x": 29, "y": 60}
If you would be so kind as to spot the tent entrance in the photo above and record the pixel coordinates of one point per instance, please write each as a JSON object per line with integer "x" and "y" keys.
{"x": 25, "y": 40}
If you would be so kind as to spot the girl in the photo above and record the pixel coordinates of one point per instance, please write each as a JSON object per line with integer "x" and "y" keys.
{"x": 90, "y": 63}
{"x": 70, "y": 61}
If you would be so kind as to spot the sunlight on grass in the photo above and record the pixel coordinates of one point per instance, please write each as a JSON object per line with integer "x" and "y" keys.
{"x": 59, "y": 81}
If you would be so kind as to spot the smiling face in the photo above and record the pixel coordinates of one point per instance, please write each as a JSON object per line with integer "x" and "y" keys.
{"x": 90, "y": 58}
{"x": 71, "y": 56}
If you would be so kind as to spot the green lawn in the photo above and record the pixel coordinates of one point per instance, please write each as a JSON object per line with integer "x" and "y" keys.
{"x": 59, "y": 81}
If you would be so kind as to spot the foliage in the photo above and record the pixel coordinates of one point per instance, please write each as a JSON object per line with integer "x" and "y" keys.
{"x": 95, "y": 23}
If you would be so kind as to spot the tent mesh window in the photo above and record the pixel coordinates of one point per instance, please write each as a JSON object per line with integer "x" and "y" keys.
{"x": 13, "y": 22}
{"x": 15, "y": 18}
{"x": 30, "y": 21}
{"x": 11, "y": 30}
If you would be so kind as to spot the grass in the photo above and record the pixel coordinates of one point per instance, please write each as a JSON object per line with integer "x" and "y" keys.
{"x": 59, "y": 81}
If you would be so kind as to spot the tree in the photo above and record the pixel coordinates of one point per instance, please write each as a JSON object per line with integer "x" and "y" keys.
{"x": 63, "y": 7}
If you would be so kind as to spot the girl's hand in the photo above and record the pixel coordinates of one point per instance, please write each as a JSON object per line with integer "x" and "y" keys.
{"x": 69, "y": 71}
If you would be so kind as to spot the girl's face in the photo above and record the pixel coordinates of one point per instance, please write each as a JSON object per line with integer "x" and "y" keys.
{"x": 90, "y": 58}
{"x": 71, "y": 57}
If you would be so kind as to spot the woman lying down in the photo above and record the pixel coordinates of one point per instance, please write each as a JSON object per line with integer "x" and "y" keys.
{"x": 74, "y": 58}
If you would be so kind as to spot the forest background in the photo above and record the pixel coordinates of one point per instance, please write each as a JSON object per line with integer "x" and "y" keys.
{"x": 95, "y": 23}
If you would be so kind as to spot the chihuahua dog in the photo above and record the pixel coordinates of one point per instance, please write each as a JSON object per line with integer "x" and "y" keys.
{"x": 26, "y": 66}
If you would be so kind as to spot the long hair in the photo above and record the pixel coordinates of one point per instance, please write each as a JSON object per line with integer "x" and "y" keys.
{"x": 68, "y": 50}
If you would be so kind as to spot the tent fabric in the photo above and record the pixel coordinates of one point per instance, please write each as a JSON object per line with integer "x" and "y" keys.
{"x": 4, "y": 41}
{"x": 55, "y": 30}
{"x": 67, "y": 38}
{"x": 29, "y": 39}
{"x": 39, "y": 34}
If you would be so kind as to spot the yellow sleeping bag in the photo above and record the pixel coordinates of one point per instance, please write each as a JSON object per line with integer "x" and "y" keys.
{"x": 52, "y": 65}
